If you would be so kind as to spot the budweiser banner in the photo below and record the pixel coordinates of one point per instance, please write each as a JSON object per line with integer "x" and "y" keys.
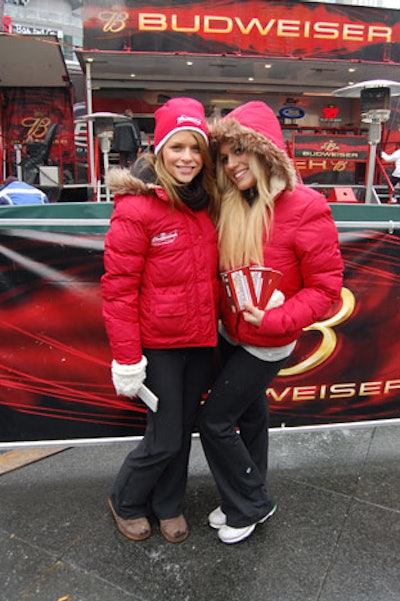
{"x": 30, "y": 115}
{"x": 332, "y": 147}
{"x": 346, "y": 367}
{"x": 274, "y": 28}
{"x": 55, "y": 358}
{"x": 330, "y": 158}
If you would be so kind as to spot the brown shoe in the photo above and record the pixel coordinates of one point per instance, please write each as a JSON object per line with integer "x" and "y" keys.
{"x": 136, "y": 529}
{"x": 174, "y": 530}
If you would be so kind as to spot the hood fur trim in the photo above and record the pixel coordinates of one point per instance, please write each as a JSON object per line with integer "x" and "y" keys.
{"x": 121, "y": 182}
{"x": 139, "y": 180}
{"x": 230, "y": 130}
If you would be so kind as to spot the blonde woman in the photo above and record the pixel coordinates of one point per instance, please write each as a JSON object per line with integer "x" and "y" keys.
{"x": 265, "y": 219}
{"x": 160, "y": 295}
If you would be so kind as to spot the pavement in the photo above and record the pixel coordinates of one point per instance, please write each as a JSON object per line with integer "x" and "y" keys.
{"x": 335, "y": 536}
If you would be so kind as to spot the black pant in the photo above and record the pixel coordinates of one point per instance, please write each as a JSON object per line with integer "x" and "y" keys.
{"x": 127, "y": 157}
{"x": 153, "y": 476}
{"x": 238, "y": 459}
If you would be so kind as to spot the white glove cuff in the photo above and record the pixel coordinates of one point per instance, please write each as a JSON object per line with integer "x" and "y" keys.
{"x": 129, "y": 370}
{"x": 277, "y": 299}
{"x": 127, "y": 379}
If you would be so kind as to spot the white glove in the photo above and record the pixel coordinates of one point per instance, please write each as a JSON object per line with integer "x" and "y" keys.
{"x": 277, "y": 299}
{"x": 127, "y": 379}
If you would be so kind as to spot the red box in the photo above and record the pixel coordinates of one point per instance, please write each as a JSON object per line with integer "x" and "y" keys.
{"x": 239, "y": 288}
{"x": 250, "y": 283}
{"x": 265, "y": 281}
{"x": 342, "y": 195}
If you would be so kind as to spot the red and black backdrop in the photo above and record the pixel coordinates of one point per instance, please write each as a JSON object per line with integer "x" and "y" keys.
{"x": 55, "y": 360}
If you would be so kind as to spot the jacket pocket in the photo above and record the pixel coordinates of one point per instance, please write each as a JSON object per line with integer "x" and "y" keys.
{"x": 170, "y": 316}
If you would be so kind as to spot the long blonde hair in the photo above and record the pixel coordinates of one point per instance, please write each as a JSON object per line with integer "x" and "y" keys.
{"x": 243, "y": 227}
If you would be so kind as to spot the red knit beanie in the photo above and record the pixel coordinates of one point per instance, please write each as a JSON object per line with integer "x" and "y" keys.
{"x": 176, "y": 114}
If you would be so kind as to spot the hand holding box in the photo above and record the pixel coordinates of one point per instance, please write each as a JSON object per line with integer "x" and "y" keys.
{"x": 254, "y": 284}
{"x": 265, "y": 281}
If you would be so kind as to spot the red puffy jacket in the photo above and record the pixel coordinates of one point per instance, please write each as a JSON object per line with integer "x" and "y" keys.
{"x": 160, "y": 287}
{"x": 304, "y": 247}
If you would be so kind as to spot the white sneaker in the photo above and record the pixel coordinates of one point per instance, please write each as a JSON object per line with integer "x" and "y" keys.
{"x": 217, "y": 518}
{"x": 230, "y": 535}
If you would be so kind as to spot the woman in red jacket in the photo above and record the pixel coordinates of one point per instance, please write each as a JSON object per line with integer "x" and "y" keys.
{"x": 160, "y": 297}
{"x": 264, "y": 218}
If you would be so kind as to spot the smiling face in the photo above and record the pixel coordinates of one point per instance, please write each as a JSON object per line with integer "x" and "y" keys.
{"x": 235, "y": 161}
{"x": 182, "y": 156}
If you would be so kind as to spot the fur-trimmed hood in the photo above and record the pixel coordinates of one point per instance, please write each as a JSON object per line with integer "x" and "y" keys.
{"x": 255, "y": 128}
{"x": 139, "y": 180}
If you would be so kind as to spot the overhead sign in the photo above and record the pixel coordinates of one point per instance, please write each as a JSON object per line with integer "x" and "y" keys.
{"x": 274, "y": 28}
{"x": 319, "y": 146}
{"x": 292, "y": 112}
{"x": 23, "y": 29}
{"x": 330, "y": 114}
{"x": 329, "y": 158}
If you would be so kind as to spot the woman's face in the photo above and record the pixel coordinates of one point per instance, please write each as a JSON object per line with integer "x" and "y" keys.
{"x": 182, "y": 156}
{"x": 235, "y": 161}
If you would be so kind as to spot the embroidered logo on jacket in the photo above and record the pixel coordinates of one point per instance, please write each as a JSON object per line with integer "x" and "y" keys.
{"x": 164, "y": 238}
